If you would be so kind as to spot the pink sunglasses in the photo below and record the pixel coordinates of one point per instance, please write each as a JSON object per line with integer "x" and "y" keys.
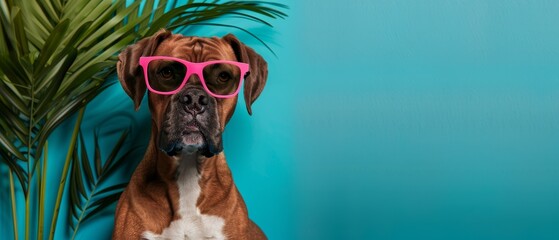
{"x": 168, "y": 75}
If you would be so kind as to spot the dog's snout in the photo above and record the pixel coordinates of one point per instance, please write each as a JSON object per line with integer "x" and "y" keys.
{"x": 194, "y": 100}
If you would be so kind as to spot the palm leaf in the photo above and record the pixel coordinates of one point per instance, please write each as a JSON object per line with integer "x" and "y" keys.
{"x": 88, "y": 194}
{"x": 15, "y": 167}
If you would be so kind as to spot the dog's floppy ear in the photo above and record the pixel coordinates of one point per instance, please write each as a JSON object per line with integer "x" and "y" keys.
{"x": 130, "y": 72}
{"x": 254, "y": 83}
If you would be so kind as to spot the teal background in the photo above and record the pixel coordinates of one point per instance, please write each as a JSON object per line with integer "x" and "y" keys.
{"x": 434, "y": 119}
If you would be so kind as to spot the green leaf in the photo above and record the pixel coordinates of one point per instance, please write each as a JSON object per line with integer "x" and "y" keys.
{"x": 94, "y": 197}
{"x": 126, "y": 157}
{"x": 69, "y": 10}
{"x": 87, "y": 73}
{"x": 120, "y": 187}
{"x": 8, "y": 146}
{"x": 74, "y": 195}
{"x": 3, "y": 43}
{"x": 96, "y": 33}
{"x": 102, "y": 204}
{"x": 242, "y": 29}
{"x": 19, "y": 31}
{"x": 61, "y": 114}
{"x": 17, "y": 169}
{"x": 146, "y": 12}
{"x": 91, "y": 14}
{"x": 12, "y": 125}
{"x": 115, "y": 150}
{"x": 85, "y": 161}
{"x": 57, "y": 5}
{"x": 51, "y": 45}
{"x": 48, "y": 8}
{"x": 41, "y": 21}
{"x": 54, "y": 75}
{"x": 160, "y": 10}
{"x": 77, "y": 173}
{"x": 97, "y": 157}
{"x": 126, "y": 33}
{"x": 132, "y": 18}
{"x": 14, "y": 71}
{"x": 13, "y": 101}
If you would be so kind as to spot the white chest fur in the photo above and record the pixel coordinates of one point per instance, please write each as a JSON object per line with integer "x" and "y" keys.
{"x": 192, "y": 224}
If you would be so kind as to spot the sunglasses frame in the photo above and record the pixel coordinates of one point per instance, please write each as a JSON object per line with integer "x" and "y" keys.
{"x": 193, "y": 68}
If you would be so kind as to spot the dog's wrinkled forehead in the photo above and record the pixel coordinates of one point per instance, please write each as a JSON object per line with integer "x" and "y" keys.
{"x": 195, "y": 49}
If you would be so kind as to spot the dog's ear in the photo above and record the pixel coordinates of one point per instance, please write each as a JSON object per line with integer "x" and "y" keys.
{"x": 258, "y": 73}
{"x": 129, "y": 71}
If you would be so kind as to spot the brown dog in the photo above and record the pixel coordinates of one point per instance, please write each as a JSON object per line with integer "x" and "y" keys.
{"x": 183, "y": 188}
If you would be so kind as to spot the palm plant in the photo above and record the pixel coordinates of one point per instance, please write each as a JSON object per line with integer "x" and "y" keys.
{"x": 55, "y": 57}
{"x": 88, "y": 193}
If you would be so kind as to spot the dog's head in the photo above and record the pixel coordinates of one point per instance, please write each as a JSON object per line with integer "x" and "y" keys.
{"x": 190, "y": 117}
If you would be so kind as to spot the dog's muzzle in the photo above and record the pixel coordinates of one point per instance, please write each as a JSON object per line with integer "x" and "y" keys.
{"x": 191, "y": 123}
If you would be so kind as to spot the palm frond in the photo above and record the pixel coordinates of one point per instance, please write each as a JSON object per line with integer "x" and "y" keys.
{"x": 12, "y": 163}
{"x": 88, "y": 193}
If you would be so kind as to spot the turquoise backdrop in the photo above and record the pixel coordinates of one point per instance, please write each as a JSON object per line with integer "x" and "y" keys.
{"x": 387, "y": 119}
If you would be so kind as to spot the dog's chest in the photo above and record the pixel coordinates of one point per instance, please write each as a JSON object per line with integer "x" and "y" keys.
{"x": 192, "y": 224}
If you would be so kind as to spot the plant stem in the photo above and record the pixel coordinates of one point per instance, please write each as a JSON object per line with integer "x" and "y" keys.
{"x": 27, "y": 210}
{"x": 65, "y": 173}
{"x": 29, "y": 162}
{"x": 13, "y": 196}
{"x": 42, "y": 183}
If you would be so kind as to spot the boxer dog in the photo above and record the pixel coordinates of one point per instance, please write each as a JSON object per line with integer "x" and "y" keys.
{"x": 183, "y": 188}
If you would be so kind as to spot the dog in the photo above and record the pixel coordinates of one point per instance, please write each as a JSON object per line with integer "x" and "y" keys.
{"x": 183, "y": 187}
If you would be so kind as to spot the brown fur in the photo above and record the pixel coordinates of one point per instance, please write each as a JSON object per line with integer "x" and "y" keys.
{"x": 151, "y": 199}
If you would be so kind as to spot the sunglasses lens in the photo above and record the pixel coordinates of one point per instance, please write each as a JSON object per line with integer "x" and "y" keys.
{"x": 222, "y": 78}
{"x": 165, "y": 75}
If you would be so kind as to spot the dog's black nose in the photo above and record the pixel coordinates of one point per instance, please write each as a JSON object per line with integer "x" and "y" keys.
{"x": 195, "y": 100}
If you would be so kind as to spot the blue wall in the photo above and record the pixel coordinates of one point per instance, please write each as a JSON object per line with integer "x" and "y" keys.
{"x": 425, "y": 119}
{"x": 395, "y": 119}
